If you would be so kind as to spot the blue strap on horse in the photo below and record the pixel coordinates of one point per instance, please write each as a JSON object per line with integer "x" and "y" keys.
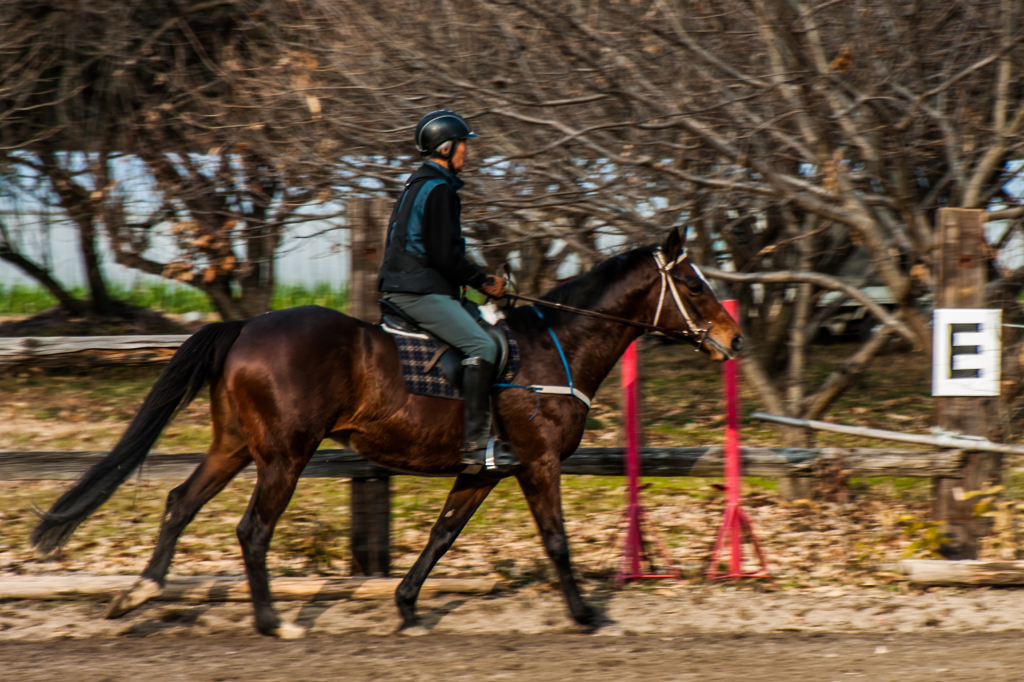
{"x": 561, "y": 354}
{"x": 557, "y": 390}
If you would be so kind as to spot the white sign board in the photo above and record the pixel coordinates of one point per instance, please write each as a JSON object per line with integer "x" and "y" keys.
{"x": 966, "y": 352}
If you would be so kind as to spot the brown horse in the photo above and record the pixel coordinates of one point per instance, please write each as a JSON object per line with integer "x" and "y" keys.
{"x": 282, "y": 382}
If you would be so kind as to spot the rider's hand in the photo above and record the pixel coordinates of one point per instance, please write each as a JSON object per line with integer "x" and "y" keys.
{"x": 494, "y": 286}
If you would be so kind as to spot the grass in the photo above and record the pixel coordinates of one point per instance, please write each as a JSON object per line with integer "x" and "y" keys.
{"x": 167, "y": 297}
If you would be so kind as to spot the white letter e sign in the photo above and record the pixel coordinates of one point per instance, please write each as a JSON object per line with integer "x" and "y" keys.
{"x": 966, "y": 352}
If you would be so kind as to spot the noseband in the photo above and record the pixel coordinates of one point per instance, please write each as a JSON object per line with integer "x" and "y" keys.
{"x": 664, "y": 270}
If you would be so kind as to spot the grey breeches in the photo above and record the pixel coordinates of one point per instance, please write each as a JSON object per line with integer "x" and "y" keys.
{"x": 445, "y": 317}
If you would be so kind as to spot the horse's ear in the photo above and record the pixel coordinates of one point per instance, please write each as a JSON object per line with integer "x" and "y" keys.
{"x": 673, "y": 244}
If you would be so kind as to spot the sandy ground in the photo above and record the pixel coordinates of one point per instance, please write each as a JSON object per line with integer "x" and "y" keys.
{"x": 660, "y": 633}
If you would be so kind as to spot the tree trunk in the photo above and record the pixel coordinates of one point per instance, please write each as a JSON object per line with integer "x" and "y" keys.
{"x": 793, "y": 487}
{"x": 531, "y": 277}
{"x": 102, "y": 303}
{"x": 65, "y": 300}
{"x": 83, "y": 210}
{"x": 261, "y": 241}
{"x": 219, "y": 292}
{"x": 257, "y": 287}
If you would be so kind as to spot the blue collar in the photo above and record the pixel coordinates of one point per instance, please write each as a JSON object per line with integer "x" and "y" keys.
{"x": 449, "y": 177}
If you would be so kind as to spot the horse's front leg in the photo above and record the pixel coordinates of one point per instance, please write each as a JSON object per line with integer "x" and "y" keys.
{"x": 540, "y": 482}
{"x": 463, "y": 500}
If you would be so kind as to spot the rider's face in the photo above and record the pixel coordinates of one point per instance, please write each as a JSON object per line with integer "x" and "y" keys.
{"x": 459, "y": 157}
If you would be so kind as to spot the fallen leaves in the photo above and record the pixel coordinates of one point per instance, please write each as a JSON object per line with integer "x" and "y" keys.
{"x": 807, "y": 544}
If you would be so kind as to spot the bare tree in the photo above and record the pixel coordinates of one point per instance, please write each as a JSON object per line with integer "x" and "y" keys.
{"x": 213, "y": 104}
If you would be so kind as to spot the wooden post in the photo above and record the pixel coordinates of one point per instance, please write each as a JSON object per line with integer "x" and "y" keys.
{"x": 371, "y": 526}
{"x": 371, "y": 497}
{"x": 368, "y": 228}
{"x": 960, "y": 277}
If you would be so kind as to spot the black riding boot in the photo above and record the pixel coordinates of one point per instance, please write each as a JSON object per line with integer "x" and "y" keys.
{"x": 480, "y": 447}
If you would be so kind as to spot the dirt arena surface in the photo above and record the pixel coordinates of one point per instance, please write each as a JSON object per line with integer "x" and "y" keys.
{"x": 921, "y": 657}
{"x": 660, "y": 633}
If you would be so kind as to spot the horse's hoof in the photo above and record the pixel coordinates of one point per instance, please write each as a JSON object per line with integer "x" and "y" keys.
{"x": 139, "y": 593}
{"x": 590, "y": 620}
{"x": 289, "y": 631}
{"x": 414, "y": 631}
{"x": 607, "y": 629}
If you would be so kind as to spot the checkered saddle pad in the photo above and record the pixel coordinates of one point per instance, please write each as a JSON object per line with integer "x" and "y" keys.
{"x": 416, "y": 353}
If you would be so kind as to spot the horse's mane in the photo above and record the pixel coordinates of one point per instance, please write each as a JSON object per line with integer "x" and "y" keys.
{"x": 583, "y": 291}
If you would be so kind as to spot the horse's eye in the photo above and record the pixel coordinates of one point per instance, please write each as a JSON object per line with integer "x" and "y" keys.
{"x": 695, "y": 285}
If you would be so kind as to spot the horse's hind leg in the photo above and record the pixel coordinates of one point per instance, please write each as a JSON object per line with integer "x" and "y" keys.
{"x": 275, "y": 484}
{"x": 540, "y": 484}
{"x": 464, "y": 499}
{"x": 227, "y": 456}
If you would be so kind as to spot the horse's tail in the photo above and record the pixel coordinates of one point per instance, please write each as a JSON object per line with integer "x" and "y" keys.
{"x": 199, "y": 360}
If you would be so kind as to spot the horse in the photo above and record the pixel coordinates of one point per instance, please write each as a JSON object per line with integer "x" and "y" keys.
{"x": 282, "y": 382}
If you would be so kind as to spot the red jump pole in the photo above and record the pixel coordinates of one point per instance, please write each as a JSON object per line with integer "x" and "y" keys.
{"x": 735, "y": 521}
{"x": 630, "y": 405}
{"x": 634, "y": 550}
{"x": 733, "y": 494}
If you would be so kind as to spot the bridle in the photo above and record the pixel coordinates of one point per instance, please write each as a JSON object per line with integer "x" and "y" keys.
{"x": 665, "y": 271}
{"x": 668, "y": 284}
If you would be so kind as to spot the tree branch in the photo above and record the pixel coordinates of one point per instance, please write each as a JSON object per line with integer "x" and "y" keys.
{"x": 823, "y": 281}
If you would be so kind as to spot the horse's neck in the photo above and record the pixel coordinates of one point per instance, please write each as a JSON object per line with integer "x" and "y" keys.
{"x": 593, "y": 346}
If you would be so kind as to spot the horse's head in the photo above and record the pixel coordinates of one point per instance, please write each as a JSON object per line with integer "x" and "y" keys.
{"x": 685, "y": 302}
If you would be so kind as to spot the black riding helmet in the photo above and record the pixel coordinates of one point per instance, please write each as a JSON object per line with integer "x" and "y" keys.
{"x": 438, "y": 127}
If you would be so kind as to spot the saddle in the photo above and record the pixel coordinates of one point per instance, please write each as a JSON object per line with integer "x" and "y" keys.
{"x": 432, "y": 367}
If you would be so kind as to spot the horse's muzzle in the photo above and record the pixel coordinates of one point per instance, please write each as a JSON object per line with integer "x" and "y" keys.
{"x": 730, "y": 352}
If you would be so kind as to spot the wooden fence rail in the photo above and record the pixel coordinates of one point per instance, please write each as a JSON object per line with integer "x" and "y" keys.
{"x": 700, "y": 461}
{"x": 88, "y": 351}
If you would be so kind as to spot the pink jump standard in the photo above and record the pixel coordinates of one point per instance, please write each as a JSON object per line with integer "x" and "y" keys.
{"x": 735, "y": 522}
{"x": 635, "y": 549}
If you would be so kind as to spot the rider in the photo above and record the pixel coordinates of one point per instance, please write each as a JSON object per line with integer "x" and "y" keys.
{"x": 425, "y": 265}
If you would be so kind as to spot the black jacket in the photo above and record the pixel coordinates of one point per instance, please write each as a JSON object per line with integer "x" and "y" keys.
{"x": 425, "y": 252}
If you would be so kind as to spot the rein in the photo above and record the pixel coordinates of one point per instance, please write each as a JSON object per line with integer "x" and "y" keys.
{"x": 664, "y": 269}
{"x": 667, "y": 284}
